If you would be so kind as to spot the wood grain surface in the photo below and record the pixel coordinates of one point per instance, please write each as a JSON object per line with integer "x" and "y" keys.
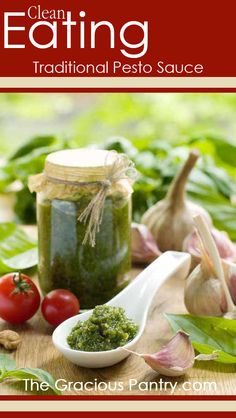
{"x": 37, "y": 350}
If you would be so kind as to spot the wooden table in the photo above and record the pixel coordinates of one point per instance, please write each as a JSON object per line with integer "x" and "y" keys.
{"x": 37, "y": 350}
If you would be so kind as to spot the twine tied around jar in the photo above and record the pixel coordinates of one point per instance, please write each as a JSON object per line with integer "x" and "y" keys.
{"x": 121, "y": 168}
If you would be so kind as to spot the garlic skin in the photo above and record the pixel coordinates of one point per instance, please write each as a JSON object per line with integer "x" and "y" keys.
{"x": 227, "y": 250}
{"x": 171, "y": 219}
{"x": 174, "y": 359}
{"x": 143, "y": 246}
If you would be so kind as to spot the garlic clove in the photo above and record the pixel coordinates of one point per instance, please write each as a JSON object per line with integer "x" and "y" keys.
{"x": 226, "y": 248}
{"x": 174, "y": 359}
{"x": 143, "y": 246}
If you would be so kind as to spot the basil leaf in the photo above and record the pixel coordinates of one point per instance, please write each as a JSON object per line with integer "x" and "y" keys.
{"x": 8, "y": 370}
{"x": 32, "y": 144}
{"x": 222, "y": 357}
{"x": 7, "y": 363}
{"x": 17, "y": 250}
{"x": 208, "y": 334}
{"x": 226, "y": 150}
{"x": 34, "y": 374}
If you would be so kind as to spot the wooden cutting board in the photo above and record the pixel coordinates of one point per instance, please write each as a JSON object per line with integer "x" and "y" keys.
{"x": 205, "y": 378}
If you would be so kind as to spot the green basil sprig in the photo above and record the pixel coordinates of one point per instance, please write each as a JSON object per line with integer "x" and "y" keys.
{"x": 9, "y": 371}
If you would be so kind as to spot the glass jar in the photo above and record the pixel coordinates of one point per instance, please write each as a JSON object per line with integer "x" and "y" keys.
{"x": 84, "y": 224}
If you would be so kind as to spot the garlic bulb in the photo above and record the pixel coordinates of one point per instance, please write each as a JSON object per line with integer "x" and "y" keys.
{"x": 227, "y": 250}
{"x": 175, "y": 359}
{"x": 203, "y": 294}
{"x": 206, "y": 291}
{"x": 230, "y": 275}
{"x": 171, "y": 219}
{"x": 143, "y": 246}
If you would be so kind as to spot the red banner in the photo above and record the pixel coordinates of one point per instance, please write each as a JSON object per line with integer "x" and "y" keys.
{"x": 119, "y": 39}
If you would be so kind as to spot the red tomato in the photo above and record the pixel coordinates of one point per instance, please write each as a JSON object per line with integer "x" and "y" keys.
{"x": 19, "y": 298}
{"x": 59, "y": 305}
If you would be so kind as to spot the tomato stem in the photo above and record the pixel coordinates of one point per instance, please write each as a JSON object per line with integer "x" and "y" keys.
{"x": 21, "y": 286}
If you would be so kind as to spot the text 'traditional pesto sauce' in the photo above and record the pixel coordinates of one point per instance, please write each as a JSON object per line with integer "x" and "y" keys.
{"x": 106, "y": 329}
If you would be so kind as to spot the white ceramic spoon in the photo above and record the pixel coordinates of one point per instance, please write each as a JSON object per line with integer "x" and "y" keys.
{"x": 136, "y": 299}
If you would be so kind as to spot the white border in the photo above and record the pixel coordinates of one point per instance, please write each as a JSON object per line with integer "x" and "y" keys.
{"x": 118, "y": 405}
{"x": 117, "y": 82}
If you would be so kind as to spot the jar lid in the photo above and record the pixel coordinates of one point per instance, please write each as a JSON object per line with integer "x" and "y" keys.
{"x": 83, "y": 164}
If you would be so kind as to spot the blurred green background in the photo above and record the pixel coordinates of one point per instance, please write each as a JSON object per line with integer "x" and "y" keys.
{"x": 159, "y": 129}
{"x": 93, "y": 117}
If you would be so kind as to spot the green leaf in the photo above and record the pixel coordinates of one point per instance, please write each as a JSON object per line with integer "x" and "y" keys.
{"x": 33, "y": 374}
{"x": 33, "y": 143}
{"x": 6, "y": 363}
{"x": 25, "y": 206}
{"x": 8, "y": 371}
{"x": 223, "y": 357}
{"x": 208, "y": 334}
{"x": 17, "y": 250}
{"x": 226, "y": 150}
{"x": 122, "y": 145}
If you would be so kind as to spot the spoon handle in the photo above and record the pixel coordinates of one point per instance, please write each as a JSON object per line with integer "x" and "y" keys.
{"x": 137, "y": 297}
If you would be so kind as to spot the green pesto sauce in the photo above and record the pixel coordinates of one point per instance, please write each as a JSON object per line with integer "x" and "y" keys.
{"x": 106, "y": 329}
{"x": 96, "y": 274}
